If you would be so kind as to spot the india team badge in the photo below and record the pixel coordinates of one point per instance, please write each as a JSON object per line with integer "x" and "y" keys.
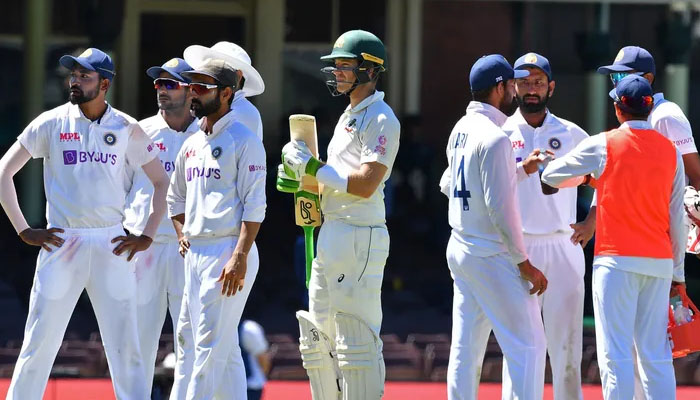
{"x": 216, "y": 152}
{"x": 172, "y": 63}
{"x": 530, "y": 58}
{"x": 554, "y": 143}
{"x": 110, "y": 138}
{"x": 620, "y": 55}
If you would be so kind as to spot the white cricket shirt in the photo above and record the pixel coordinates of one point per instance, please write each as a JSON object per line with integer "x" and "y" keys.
{"x": 246, "y": 113}
{"x": 590, "y": 157}
{"x": 168, "y": 142}
{"x": 219, "y": 180}
{"x": 668, "y": 119}
{"x": 85, "y": 163}
{"x": 543, "y": 214}
{"x": 367, "y": 133}
{"x": 480, "y": 182}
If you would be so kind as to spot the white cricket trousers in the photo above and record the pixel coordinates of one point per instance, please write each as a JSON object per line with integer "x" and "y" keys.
{"x": 214, "y": 368}
{"x": 564, "y": 265}
{"x": 631, "y": 311}
{"x": 85, "y": 261}
{"x": 490, "y": 294}
{"x": 347, "y": 274}
{"x": 160, "y": 282}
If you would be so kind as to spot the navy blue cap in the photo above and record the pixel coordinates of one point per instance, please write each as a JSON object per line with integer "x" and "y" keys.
{"x": 489, "y": 70}
{"x": 633, "y": 94}
{"x": 92, "y": 59}
{"x": 534, "y": 60}
{"x": 631, "y": 58}
{"x": 174, "y": 67}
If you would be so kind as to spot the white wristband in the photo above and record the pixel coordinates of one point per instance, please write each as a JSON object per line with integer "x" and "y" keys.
{"x": 330, "y": 177}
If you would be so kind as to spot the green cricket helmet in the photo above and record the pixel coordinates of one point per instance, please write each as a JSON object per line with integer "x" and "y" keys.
{"x": 359, "y": 45}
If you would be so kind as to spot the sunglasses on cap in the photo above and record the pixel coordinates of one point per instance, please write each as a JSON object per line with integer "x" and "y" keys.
{"x": 203, "y": 88}
{"x": 167, "y": 83}
{"x": 616, "y": 77}
{"x": 644, "y": 102}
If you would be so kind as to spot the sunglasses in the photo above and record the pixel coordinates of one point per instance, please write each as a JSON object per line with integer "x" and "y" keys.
{"x": 616, "y": 77}
{"x": 203, "y": 88}
{"x": 169, "y": 84}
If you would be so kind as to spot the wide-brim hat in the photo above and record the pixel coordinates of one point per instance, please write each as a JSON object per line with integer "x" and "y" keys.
{"x": 233, "y": 55}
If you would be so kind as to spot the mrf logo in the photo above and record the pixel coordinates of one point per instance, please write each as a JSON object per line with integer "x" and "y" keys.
{"x": 161, "y": 146}
{"x": 69, "y": 137}
{"x": 73, "y": 157}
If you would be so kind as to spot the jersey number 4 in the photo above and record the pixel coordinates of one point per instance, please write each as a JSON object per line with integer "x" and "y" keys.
{"x": 463, "y": 193}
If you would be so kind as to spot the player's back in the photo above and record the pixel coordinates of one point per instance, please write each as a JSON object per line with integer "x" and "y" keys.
{"x": 474, "y": 139}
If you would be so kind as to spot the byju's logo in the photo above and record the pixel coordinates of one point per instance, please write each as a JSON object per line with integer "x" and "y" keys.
{"x": 70, "y": 157}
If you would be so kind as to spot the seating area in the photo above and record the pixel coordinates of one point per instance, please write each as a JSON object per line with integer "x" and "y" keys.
{"x": 418, "y": 357}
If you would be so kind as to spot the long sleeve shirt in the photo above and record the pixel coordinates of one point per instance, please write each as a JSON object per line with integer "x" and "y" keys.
{"x": 219, "y": 180}
{"x": 480, "y": 181}
{"x": 590, "y": 157}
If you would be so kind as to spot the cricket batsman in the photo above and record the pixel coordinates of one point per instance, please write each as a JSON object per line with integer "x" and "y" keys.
{"x": 340, "y": 344}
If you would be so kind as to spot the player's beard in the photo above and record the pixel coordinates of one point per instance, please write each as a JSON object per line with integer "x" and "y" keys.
{"x": 168, "y": 104}
{"x": 78, "y": 96}
{"x": 508, "y": 106}
{"x": 531, "y": 108}
{"x": 203, "y": 109}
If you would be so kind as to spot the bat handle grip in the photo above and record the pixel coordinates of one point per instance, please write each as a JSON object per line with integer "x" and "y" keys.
{"x": 309, "y": 250}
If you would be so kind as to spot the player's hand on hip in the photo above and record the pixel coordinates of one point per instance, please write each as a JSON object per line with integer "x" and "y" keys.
{"x": 42, "y": 237}
{"x": 534, "y": 276}
{"x": 131, "y": 243}
{"x": 233, "y": 274}
{"x": 583, "y": 232}
{"x": 286, "y": 183}
{"x": 183, "y": 245}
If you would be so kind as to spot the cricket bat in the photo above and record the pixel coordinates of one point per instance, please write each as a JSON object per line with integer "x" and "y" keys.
{"x": 307, "y": 207}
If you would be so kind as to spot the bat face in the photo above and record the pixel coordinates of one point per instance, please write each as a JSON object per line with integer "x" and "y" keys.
{"x": 307, "y": 208}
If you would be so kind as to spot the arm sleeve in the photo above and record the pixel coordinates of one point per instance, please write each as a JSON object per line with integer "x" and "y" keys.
{"x": 678, "y": 232}
{"x": 250, "y": 182}
{"x": 140, "y": 149}
{"x": 520, "y": 172}
{"x": 497, "y": 169}
{"x": 253, "y": 338}
{"x": 446, "y": 177}
{"x": 380, "y": 141}
{"x": 35, "y": 137}
{"x": 679, "y": 131}
{"x": 588, "y": 157}
{"x": 177, "y": 190}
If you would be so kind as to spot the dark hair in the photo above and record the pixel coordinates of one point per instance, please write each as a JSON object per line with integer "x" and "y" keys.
{"x": 483, "y": 94}
{"x": 241, "y": 83}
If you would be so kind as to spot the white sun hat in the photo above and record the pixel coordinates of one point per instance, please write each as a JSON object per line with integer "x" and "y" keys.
{"x": 232, "y": 54}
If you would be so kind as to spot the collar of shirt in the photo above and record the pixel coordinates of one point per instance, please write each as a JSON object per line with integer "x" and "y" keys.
{"x": 376, "y": 96}
{"x": 162, "y": 124}
{"x": 74, "y": 111}
{"x": 220, "y": 125}
{"x": 487, "y": 110}
{"x": 520, "y": 119}
{"x": 658, "y": 99}
{"x": 236, "y": 97}
{"x": 636, "y": 124}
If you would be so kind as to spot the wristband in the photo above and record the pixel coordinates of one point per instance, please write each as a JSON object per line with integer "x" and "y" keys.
{"x": 312, "y": 166}
{"x": 330, "y": 177}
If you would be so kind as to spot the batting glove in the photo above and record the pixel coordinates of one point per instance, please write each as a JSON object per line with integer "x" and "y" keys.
{"x": 298, "y": 160}
{"x": 286, "y": 183}
{"x": 691, "y": 199}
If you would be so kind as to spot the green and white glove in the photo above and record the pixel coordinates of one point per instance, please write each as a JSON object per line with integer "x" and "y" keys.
{"x": 298, "y": 160}
{"x": 286, "y": 183}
